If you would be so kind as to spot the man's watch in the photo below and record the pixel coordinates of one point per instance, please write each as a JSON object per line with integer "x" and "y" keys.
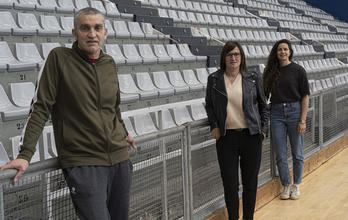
{"x": 303, "y": 121}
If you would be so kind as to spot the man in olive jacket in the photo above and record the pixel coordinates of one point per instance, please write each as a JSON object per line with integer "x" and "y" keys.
{"x": 80, "y": 89}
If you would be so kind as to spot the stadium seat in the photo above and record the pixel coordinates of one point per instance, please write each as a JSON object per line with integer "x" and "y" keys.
{"x": 27, "y": 52}
{"x": 174, "y": 53}
{"x": 202, "y": 76}
{"x": 98, "y": 5}
{"x": 79, "y": 4}
{"x": 111, "y": 10}
{"x": 166, "y": 118}
{"x": 161, "y": 52}
{"x": 135, "y": 30}
{"x": 186, "y": 53}
{"x": 67, "y": 24}
{"x": 50, "y": 23}
{"x": 3, "y": 156}
{"x": 143, "y": 124}
{"x": 191, "y": 80}
{"x": 47, "y": 6}
{"x": 8, "y": 110}
{"x": 7, "y": 4}
{"x": 47, "y": 144}
{"x": 132, "y": 55}
{"x": 175, "y": 78}
{"x": 197, "y": 111}
{"x": 8, "y": 25}
{"x": 161, "y": 81}
{"x": 14, "y": 149}
{"x": 121, "y": 30}
{"x": 116, "y": 53}
{"x": 24, "y": 4}
{"x": 146, "y": 52}
{"x": 7, "y": 60}
{"x": 28, "y": 22}
{"x": 128, "y": 86}
{"x": 181, "y": 115}
{"x": 21, "y": 93}
{"x": 66, "y": 5}
{"x": 111, "y": 31}
{"x": 129, "y": 126}
{"x": 151, "y": 33}
{"x": 144, "y": 82}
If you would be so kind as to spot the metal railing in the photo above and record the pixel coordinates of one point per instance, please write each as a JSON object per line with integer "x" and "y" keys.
{"x": 176, "y": 174}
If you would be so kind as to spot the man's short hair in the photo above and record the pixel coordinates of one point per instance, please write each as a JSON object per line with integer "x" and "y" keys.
{"x": 87, "y": 11}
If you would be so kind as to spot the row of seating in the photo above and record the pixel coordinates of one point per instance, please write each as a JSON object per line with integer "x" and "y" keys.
{"x": 324, "y": 37}
{"x": 322, "y": 65}
{"x": 249, "y": 36}
{"x": 146, "y": 121}
{"x": 328, "y": 83}
{"x": 159, "y": 84}
{"x": 63, "y": 6}
{"x": 272, "y": 7}
{"x": 48, "y": 25}
{"x": 284, "y": 17}
{"x": 30, "y": 58}
{"x": 298, "y": 26}
{"x": 212, "y": 20}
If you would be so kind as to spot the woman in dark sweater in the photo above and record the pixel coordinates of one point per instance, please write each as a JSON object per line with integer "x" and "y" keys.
{"x": 286, "y": 84}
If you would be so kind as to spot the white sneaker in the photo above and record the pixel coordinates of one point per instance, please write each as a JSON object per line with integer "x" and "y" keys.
{"x": 286, "y": 193}
{"x": 295, "y": 192}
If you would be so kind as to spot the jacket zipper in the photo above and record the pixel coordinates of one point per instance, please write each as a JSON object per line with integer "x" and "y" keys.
{"x": 100, "y": 114}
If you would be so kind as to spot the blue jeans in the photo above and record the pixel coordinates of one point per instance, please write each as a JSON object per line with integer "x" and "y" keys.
{"x": 284, "y": 121}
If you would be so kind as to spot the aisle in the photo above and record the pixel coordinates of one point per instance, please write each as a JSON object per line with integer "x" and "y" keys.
{"x": 324, "y": 195}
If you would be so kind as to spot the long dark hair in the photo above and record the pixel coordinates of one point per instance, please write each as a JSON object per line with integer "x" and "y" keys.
{"x": 230, "y": 45}
{"x": 272, "y": 69}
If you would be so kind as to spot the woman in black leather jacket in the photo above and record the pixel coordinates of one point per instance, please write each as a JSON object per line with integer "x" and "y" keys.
{"x": 238, "y": 115}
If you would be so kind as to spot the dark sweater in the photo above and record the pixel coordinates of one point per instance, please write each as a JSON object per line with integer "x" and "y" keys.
{"x": 292, "y": 84}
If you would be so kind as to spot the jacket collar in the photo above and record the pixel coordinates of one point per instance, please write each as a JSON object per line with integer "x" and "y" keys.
{"x": 219, "y": 74}
{"x": 83, "y": 54}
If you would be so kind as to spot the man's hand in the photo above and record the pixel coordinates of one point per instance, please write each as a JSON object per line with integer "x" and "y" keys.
{"x": 130, "y": 140}
{"x": 20, "y": 164}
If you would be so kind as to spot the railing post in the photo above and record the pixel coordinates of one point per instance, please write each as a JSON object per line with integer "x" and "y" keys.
{"x": 2, "y": 211}
{"x": 187, "y": 174}
{"x": 321, "y": 125}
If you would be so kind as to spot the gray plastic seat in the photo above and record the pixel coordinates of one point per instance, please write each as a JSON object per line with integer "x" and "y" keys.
{"x": 3, "y": 156}
{"x": 135, "y": 30}
{"x": 181, "y": 115}
{"x": 50, "y": 23}
{"x": 67, "y": 24}
{"x": 80, "y": 4}
{"x": 166, "y": 118}
{"x": 151, "y": 33}
{"x": 8, "y": 111}
{"x": 128, "y": 86}
{"x": 198, "y": 111}
{"x": 8, "y": 25}
{"x": 143, "y": 124}
{"x": 161, "y": 81}
{"x": 98, "y": 5}
{"x": 47, "y": 6}
{"x": 47, "y": 47}
{"x": 132, "y": 55}
{"x": 186, "y": 53}
{"x": 21, "y": 93}
{"x": 66, "y": 5}
{"x": 176, "y": 79}
{"x": 111, "y": 10}
{"x": 129, "y": 126}
{"x": 29, "y": 22}
{"x": 7, "y": 60}
{"x": 116, "y": 53}
{"x": 111, "y": 31}
{"x": 202, "y": 76}
{"x": 145, "y": 83}
{"x": 27, "y": 52}
{"x": 121, "y": 30}
{"x": 174, "y": 53}
{"x": 146, "y": 52}
{"x": 161, "y": 53}
{"x": 191, "y": 80}
{"x": 24, "y": 4}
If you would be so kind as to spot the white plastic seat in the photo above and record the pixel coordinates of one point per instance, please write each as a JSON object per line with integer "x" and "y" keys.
{"x": 50, "y": 23}
{"x": 121, "y": 30}
{"x": 47, "y": 47}
{"x": 3, "y": 156}
{"x": 166, "y": 118}
{"x": 181, "y": 115}
{"x": 27, "y": 52}
{"x": 174, "y": 53}
{"x": 202, "y": 76}
{"x": 201, "y": 19}
{"x": 135, "y": 30}
{"x": 67, "y": 24}
{"x": 8, "y": 25}
{"x": 24, "y": 4}
{"x": 111, "y": 31}
{"x": 132, "y": 55}
{"x": 143, "y": 124}
{"x": 151, "y": 33}
{"x": 191, "y": 80}
{"x": 111, "y": 10}
{"x": 186, "y": 53}
{"x": 116, "y": 53}
{"x": 7, "y": 4}
{"x": 66, "y": 5}
{"x": 8, "y": 110}
{"x": 161, "y": 81}
{"x": 161, "y": 52}
{"x": 7, "y": 60}
{"x": 47, "y": 144}
{"x": 175, "y": 78}
{"x": 192, "y": 17}
{"x": 184, "y": 19}
{"x": 21, "y": 93}
{"x": 128, "y": 86}
{"x": 174, "y": 15}
{"x": 197, "y": 111}
{"x": 80, "y": 4}
{"x": 47, "y": 5}
{"x": 29, "y": 22}
{"x": 130, "y": 129}
{"x": 98, "y": 5}
{"x": 211, "y": 70}
{"x": 146, "y": 53}
{"x": 144, "y": 82}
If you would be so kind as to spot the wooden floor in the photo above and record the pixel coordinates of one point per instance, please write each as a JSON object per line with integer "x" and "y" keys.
{"x": 324, "y": 195}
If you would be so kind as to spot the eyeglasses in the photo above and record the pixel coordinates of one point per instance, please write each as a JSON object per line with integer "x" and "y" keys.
{"x": 236, "y": 55}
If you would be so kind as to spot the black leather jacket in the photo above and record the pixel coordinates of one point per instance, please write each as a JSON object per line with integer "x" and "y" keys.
{"x": 255, "y": 108}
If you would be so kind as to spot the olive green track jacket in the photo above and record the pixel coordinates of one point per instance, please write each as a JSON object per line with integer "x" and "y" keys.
{"x": 83, "y": 99}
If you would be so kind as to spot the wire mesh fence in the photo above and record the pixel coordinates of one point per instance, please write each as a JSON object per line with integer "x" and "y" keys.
{"x": 175, "y": 173}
